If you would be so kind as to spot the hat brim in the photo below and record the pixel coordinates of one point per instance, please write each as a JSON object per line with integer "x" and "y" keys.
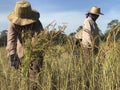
{"x": 96, "y": 13}
{"x": 24, "y": 21}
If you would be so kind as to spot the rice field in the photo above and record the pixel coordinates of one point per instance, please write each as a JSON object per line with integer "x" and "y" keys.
{"x": 64, "y": 67}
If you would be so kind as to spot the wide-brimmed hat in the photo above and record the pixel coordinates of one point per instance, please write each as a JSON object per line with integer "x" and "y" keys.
{"x": 23, "y": 14}
{"x": 95, "y": 10}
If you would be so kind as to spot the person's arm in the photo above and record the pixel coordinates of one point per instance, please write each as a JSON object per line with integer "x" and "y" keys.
{"x": 11, "y": 39}
{"x": 11, "y": 46}
{"x": 87, "y": 32}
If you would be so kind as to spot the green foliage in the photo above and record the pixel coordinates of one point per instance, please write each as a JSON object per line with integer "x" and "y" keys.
{"x": 3, "y": 38}
{"x": 3, "y": 41}
{"x": 112, "y": 23}
{"x": 41, "y": 43}
{"x": 113, "y": 31}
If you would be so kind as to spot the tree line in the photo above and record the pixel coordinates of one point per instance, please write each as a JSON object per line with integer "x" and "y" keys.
{"x": 3, "y": 38}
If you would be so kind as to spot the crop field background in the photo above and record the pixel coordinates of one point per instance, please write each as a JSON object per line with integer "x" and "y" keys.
{"x": 64, "y": 67}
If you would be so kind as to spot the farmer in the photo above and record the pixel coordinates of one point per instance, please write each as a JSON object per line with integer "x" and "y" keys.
{"x": 23, "y": 20}
{"x": 90, "y": 40}
{"x": 90, "y": 32}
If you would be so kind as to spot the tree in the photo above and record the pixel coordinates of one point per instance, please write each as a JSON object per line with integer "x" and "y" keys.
{"x": 79, "y": 28}
{"x": 73, "y": 33}
{"x": 3, "y": 38}
{"x": 113, "y": 32}
{"x": 112, "y": 23}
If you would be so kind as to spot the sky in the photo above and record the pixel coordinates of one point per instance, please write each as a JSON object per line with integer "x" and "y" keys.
{"x": 71, "y": 12}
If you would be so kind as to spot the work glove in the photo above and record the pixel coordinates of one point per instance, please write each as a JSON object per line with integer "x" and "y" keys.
{"x": 15, "y": 61}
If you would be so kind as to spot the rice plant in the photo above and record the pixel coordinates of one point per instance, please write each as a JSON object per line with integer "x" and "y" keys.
{"x": 64, "y": 67}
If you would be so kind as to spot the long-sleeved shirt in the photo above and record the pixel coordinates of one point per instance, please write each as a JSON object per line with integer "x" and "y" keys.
{"x": 90, "y": 33}
{"x": 14, "y": 36}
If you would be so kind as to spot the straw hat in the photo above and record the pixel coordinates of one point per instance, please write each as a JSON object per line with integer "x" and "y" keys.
{"x": 23, "y": 14}
{"x": 95, "y": 10}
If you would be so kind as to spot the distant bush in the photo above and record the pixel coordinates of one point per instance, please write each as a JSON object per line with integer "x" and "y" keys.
{"x": 3, "y": 38}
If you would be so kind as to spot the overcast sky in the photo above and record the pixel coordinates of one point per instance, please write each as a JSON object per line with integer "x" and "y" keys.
{"x": 71, "y": 12}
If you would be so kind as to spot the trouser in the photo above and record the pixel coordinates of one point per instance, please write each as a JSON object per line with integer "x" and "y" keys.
{"x": 88, "y": 54}
{"x": 33, "y": 77}
{"x": 86, "y": 62}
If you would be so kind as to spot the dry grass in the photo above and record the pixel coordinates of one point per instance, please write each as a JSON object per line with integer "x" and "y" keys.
{"x": 62, "y": 70}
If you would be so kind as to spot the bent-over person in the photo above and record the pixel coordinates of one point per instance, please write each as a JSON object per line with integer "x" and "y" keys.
{"x": 23, "y": 19}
